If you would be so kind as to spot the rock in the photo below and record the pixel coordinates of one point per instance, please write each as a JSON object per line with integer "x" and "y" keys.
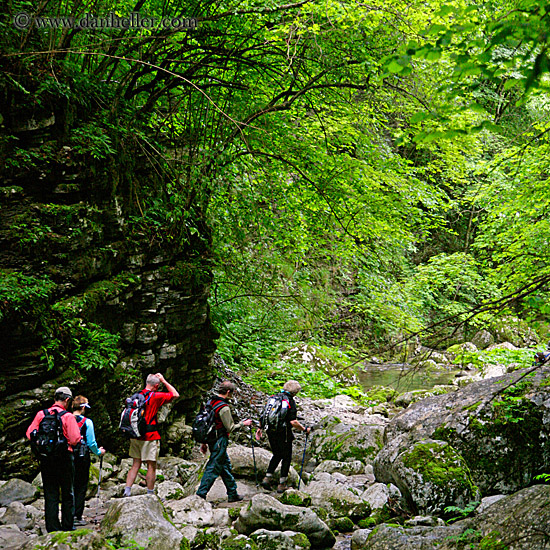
{"x": 482, "y": 339}
{"x": 515, "y": 331}
{"x": 338, "y": 441}
{"x": 280, "y": 540}
{"x": 376, "y": 495}
{"x": 17, "y": 490}
{"x": 519, "y": 522}
{"x": 488, "y": 501}
{"x": 459, "y": 349}
{"x": 141, "y": 519}
{"x": 242, "y": 463}
{"x": 337, "y": 499}
{"x": 63, "y": 540}
{"x": 347, "y": 468}
{"x": 11, "y": 537}
{"x": 17, "y": 514}
{"x": 238, "y": 542}
{"x": 359, "y": 539}
{"x": 431, "y": 475}
{"x": 194, "y": 510}
{"x": 169, "y": 490}
{"x": 342, "y": 524}
{"x": 295, "y": 498}
{"x": 265, "y": 512}
{"x": 502, "y": 345}
{"x": 498, "y": 431}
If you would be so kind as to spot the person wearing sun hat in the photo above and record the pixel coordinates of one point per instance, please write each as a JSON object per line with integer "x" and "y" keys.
{"x": 82, "y": 456}
{"x": 58, "y": 470}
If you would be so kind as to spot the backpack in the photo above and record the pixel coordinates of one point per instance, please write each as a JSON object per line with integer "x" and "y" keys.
{"x": 274, "y": 414}
{"x": 132, "y": 420}
{"x": 204, "y": 424}
{"x": 48, "y": 439}
{"x": 81, "y": 450}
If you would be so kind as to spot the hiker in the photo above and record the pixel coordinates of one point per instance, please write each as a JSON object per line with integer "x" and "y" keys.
{"x": 82, "y": 456}
{"x": 219, "y": 463}
{"x": 56, "y": 464}
{"x": 281, "y": 437}
{"x": 147, "y": 448}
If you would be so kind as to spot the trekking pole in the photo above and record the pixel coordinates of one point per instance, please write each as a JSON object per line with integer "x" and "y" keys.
{"x": 98, "y": 487}
{"x": 253, "y": 455}
{"x": 303, "y": 460}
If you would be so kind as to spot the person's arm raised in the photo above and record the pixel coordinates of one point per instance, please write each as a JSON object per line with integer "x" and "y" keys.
{"x": 168, "y": 386}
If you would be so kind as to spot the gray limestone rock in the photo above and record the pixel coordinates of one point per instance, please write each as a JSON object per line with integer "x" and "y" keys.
{"x": 17, "y": 490}
{"x": 280, "y": 540}
{"x": 265, "y": 512}
{"x": 517, "y": 522}
{"x": 17, "y": 514}
{"x": 140, "y": 518}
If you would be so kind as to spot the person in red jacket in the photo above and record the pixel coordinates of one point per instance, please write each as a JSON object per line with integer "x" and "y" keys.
{"x": 58, "y": 470}
{"x": 146, "y": 449}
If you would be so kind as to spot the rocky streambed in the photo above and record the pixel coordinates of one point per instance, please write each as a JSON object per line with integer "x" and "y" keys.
{"x": 450, "y": 471}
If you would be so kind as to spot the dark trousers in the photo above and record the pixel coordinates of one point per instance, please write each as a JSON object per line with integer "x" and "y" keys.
{"x": 81, "y": 477}
{"x": 58, "y": 476}
{"x": 218, "y": 465}
{"x": 281, "y": 447}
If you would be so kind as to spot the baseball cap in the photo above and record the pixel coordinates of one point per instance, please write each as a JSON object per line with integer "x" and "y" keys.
{"x": 65, "y": 391}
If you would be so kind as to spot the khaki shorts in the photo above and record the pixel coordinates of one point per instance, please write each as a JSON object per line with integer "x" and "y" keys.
{"x": 145, "y": 450}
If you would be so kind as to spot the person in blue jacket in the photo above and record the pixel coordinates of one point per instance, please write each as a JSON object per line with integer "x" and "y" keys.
{"x": 82, "y": 456}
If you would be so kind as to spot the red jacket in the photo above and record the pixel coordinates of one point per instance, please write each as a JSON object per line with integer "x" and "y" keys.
{"x": 70, "y": 425}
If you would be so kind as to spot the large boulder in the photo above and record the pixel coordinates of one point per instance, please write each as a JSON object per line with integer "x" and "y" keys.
{"x": 431, "y": 475}
{"x": 242, "y": 463}
{"x": 280, "y": 540}
{"x": 483, "y": 339}
{"x": 17, "y": 514}
{"x": 516, "y": 522}
{"x": 141, "y": 519}
{"x": 265, "y": 512}
{"x": 336, "y": 440}
{"x": 11, "y": 537}
{"x": 336, "y": 498}
{"x": 194, "y": 510}
{"x": 498, "y": 429}
{"x": 17, "y": 490}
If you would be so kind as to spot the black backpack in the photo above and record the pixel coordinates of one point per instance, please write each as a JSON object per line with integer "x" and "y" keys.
{"x": 132, "y": 420}
{"x": 204, "y": 424}
{"x": 274, "y": 414}
{"x": 82, "y": 450}
{"x": 48, "y": 439}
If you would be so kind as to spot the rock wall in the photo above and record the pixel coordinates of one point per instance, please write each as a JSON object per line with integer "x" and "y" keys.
{"x": 95, "y": 292}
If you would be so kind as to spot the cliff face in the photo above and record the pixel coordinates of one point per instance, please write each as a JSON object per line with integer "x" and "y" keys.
{"x": 95, "y": 291}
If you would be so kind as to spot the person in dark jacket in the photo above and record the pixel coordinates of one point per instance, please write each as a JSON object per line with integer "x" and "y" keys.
{"x": 219, "y": 463}
{"x": 82, "y": 456}
{"x": 58, "y": 470}
{"x": 281, "y": 440}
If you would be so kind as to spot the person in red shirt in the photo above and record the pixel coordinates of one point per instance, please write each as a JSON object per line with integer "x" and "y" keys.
{"x": 146, "y": 449}
{"x": 58, "y": 470}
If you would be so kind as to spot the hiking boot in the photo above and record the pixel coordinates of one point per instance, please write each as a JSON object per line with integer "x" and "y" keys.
{"x": 267, "y": 482}
{"x": 282, "y": 487}
{"x": 236, "y": 498}
{"x": 79, "y": 522}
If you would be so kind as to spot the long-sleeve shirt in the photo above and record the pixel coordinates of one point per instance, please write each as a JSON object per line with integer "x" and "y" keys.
{"x": 90, "y": 435}
{"x": 68, "y": 421}
{"x": 227, "y": 420}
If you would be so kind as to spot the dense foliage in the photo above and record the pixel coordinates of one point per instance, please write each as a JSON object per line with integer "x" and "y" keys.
{"x": 367, "y": 172}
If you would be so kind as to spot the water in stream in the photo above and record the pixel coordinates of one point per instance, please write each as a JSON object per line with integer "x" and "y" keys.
{"x": 404, "y": 377}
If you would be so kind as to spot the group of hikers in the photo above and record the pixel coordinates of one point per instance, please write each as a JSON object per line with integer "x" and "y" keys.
{"x": 63, "y": 443}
